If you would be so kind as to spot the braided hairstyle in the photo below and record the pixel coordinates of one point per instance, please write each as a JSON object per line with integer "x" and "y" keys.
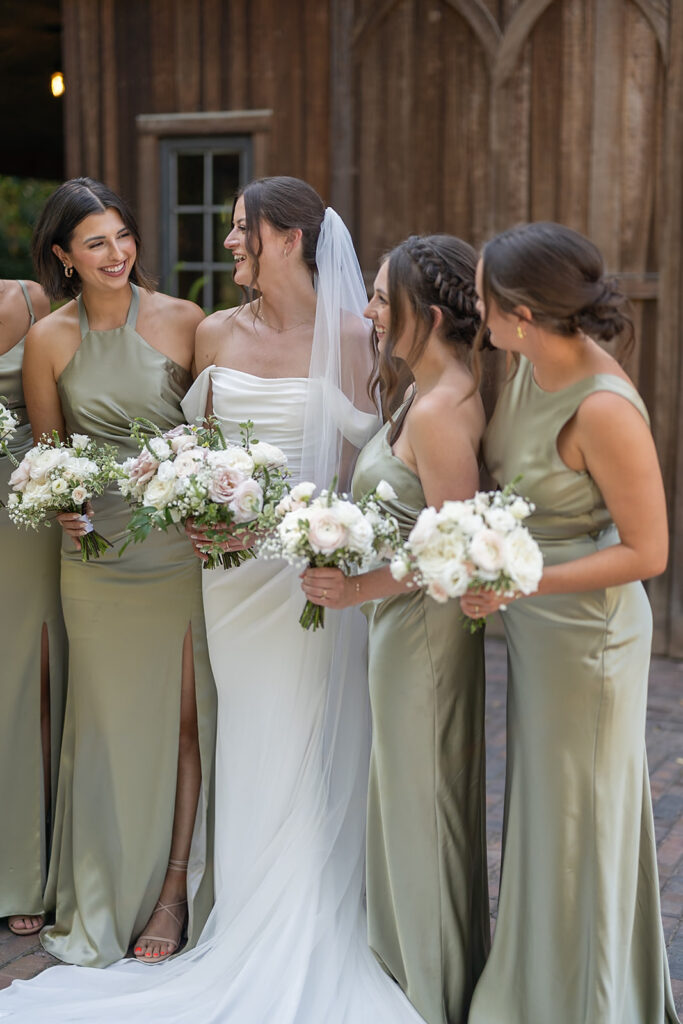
{"x": 560, "y": 276}
{"x": 428, "y": 272}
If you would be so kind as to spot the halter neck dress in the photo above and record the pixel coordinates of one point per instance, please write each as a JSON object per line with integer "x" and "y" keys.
{"x": 30, "y": 566}
{"x": 126, "y": 619}
{"x": 579, "y": 936}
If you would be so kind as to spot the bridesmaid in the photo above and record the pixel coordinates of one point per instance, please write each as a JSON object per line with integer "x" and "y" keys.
{"x": 579, "y": 934}
{"x": 33, "y": 651}
{"x": 139, "y": 725}
{"x": 427, "y": 891}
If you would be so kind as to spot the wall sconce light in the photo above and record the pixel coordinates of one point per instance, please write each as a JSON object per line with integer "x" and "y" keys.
{"x": 57, "y": 83}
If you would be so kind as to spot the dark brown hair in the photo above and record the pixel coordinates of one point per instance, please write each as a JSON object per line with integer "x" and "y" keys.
{"x": 427, "y": 272}
{"x": 285, "y": 203}
{"x": 68, "y": 205}
{"x": 560, "y": 276}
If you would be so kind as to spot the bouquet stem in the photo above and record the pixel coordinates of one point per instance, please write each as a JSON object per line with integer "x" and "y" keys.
{"x": 228, "y": 559}
{"x": 313, "y": 616}
{"x": 93, "y": 545}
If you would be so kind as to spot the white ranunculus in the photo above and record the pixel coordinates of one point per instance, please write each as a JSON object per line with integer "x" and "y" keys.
{"x": 453, "y": 511}
{"x": 303, "y": 491}
{"x": 166, "y": 471}
{"x": 361, "y": 536}
{"x": 247, "y": 501}
{"x": 59, "y": 486}
{"x": 471, "y": 523}
{"x": 159, "y": 493}
{"x": 189, "y": 461}
{"x": 500, "y": 519}
{"x": 384, "y": 491}
{"x": 182, "y": 442}
{"x": 422, "y": 533}
{"x": 78, "y": 467}
{"x": 268, "y": 455}
{"x": 161, "y": 448}
{"x": 79, "y": 495}
{"x": 234, "y": 458}
{"x": 326, "y": 534}
{"x": 481, "y": 501}
{"x": 399, "y": 566}
{"x": 520, "y": 508}
{"x": 42, "y": 462}
{"x": 80, "y": 441}
{"x": 523, "y": 560}
{"x": 487, "y": 551}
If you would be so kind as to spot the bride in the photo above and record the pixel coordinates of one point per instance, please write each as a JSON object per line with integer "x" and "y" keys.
{"x": 286, "y": 940}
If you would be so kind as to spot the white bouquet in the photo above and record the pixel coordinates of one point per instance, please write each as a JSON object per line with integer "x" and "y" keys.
{"x": 475, "y": 544}
{"x": 61, "y": 476}
{"x": 8, "y": 425}
{"x": 193, "y": 472}
{"x": 331, "y": 531}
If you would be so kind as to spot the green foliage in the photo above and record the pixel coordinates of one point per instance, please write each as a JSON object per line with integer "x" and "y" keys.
{"x": 21, "y": 200}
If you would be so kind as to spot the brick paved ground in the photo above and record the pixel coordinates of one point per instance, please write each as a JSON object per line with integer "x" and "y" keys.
{"x": 23, "y": 957}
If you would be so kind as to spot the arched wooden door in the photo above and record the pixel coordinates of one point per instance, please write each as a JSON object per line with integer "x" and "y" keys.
{"x": 467, "y": 116}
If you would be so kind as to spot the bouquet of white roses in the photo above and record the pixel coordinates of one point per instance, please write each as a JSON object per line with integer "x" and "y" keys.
{"x": 61, "y": 476}
{"x": 8, "y": 425}
{"x": 331, "y": 531}
{"x": 193, "y": 472}
{"x": 475, "y": 544}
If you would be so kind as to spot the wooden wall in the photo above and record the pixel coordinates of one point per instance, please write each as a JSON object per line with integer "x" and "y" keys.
{"x": 434, "y": 115}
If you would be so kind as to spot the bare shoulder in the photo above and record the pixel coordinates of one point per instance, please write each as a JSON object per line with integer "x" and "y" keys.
{"x": 39, "y": 300}
{"x": 182, "y": 313}
{"x": 56, "y": 328}
{"x": 451, "y": 407}
{"x": 214, "y": 332}
{"x": 603, "y": 412}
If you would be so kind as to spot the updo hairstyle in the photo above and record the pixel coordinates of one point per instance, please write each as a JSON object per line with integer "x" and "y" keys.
{"x": 560, "y": 276}
{"x": 285, "y": 203}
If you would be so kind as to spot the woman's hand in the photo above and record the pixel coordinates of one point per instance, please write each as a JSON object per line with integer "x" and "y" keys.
{"x": 227, "y": 538}
{"x": 477, "y": 604}
{"x": 72, "y": 523}
{"x": 329, "y": 588}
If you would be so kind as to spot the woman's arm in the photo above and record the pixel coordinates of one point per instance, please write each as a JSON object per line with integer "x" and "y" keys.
{"x": 443, "y": 438}
{"x": 39, "y": 381}
{"x": 620, "y": 456}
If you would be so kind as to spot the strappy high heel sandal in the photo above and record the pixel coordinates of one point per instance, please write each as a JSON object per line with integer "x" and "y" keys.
{"x": 168, "y": 908}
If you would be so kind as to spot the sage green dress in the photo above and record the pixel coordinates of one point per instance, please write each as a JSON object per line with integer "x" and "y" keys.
{"x": 30, "y": 571}
{"x": 579, "y": 936}
{"x": 427, "y": 889}
{"x": 126, "y": 619}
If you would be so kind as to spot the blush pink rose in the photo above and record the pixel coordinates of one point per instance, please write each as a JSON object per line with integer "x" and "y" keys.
{"x": 247, "y": 501}
{"x": 326, "y": 533}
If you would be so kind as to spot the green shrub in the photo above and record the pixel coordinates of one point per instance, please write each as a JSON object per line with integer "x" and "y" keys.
{"x": 21, "y": 200}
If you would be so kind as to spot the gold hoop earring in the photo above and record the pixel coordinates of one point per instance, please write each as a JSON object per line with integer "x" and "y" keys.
{"x": 68, "y": 271}
{"x": 520, "y": 332}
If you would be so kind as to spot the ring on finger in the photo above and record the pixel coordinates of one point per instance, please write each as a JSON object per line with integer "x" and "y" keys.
{"x": 324, "y": 593}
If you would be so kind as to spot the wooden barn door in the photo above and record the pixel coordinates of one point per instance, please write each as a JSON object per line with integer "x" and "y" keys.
{"x": 468, "y": 116}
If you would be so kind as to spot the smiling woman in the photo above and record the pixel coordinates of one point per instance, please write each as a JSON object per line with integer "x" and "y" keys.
{"x": 138, "y": 736}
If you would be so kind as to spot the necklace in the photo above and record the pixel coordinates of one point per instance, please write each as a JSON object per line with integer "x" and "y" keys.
{"x": 282, "y": 330}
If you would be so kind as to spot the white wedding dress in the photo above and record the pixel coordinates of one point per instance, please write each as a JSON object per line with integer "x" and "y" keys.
{"x": 286, "y": 940}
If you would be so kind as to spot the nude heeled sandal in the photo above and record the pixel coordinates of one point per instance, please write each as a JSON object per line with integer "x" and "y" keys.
{"x": 173, "y": 865}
